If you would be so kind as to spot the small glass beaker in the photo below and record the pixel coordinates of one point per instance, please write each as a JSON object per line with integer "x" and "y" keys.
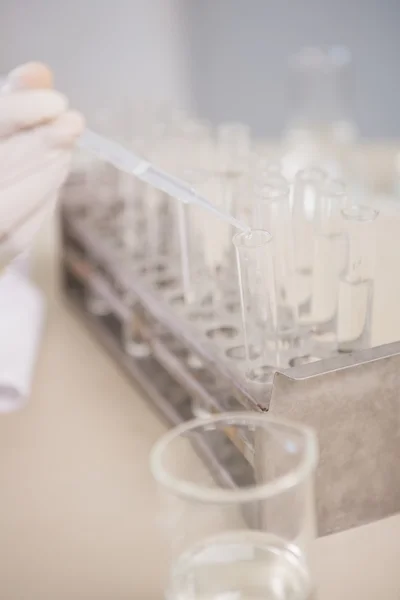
{"x": 247, "y": 541}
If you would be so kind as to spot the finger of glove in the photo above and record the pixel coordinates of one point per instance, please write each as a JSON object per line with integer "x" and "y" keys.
{"x": 22, "y": 238}
{"x": 35, "y": 149}
{"x": 24, "y": 206}
{"x": 24, "y": 110}
{"x": 32, "y": 75}
{"x": 64, "y": 131}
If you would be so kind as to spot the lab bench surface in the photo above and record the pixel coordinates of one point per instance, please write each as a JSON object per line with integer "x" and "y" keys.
{"x": 78, "y": 518}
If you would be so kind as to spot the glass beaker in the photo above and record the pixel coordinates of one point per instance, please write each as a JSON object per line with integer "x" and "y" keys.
{"x": 249, "y": 541}
{"x": 319, "y": 130}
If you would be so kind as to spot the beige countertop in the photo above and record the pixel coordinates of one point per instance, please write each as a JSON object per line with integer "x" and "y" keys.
{"x": 78, "y": 518}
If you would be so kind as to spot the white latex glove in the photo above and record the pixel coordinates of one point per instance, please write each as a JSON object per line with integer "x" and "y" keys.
{"x": 37, "y": 135}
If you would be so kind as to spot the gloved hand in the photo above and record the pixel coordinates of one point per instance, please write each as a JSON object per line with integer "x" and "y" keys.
{"x": 37, "y": 135}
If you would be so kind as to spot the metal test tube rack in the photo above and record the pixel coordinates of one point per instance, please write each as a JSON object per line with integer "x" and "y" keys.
{"x": 351, "y": 400}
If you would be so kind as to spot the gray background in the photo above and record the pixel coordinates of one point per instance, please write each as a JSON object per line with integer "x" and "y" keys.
{"x": 225, "y": 57}
{"x": 239, "y": 50}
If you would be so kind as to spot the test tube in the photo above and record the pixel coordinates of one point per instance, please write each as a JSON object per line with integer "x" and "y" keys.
{"x": 160, "y": 209}
{"x": 218, "y": 253}
{"x": 141, "y": 215}
{"x": 130, "y": 217}
{"x": 356, "y": 287}
{"x": 272, "y": 213}
{"x": 328, "y": 265}
{"x": 255, "y": 262}
{"x": 191, "y": 238}
{"x": 192, "y": 143}
{"x": 183, "y": 152}
{"x": 233, "y": 158}
{"x": 307, "y": 189}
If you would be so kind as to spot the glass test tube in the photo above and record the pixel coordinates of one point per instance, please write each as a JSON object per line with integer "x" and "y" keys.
{"x": 194, "y": 147}
{"x": 199, "y": 229}
{"x": 219, "y": 253}
{"x": 257, "y": 284}
{"x": 177, "y": 151}
{"x": 328, "y": 264}
{"x": 193, "y": 165}
{"x": 144, "y": 231}
{"x": 249, "y": 541}
{"x": 233, "y": 157}
{"x": 307, "y": 189}
{"x": 356, "y": 287}
{"x": 140, "y": 219}
{"x": 131, "y": 221}
{"x": 135, "y": 228}
{"x": 272, "y": 213}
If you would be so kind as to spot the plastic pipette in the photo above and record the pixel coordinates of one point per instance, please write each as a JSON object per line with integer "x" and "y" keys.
{"x": 127, "y": 161}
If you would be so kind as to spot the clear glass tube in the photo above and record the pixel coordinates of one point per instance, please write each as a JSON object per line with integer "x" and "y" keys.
{"x": 155, "y": 205}
{"x": 356, "y": 287}
{"x": 132, "y": 222}
{"x": 206, "y": 244}
{"x": 329, "y": 262}
{"x": 307, "y": 189}
{"x": 193, "y": 160}
{"x": 193, "y": 146}
{"x": 233, "y": 157}
{"x": 130, "y": 192}
{"x": 191, "y": 226}
{"x": 272, "y": 213}
{"x": 251, "y": 541}
{"x": 257, "y": 284}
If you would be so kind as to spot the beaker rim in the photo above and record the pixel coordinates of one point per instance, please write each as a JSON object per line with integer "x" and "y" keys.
{"x": 198, "y": 493}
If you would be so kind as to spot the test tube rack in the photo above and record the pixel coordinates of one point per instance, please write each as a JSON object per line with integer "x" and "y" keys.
{"x": 193, "y": 361}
